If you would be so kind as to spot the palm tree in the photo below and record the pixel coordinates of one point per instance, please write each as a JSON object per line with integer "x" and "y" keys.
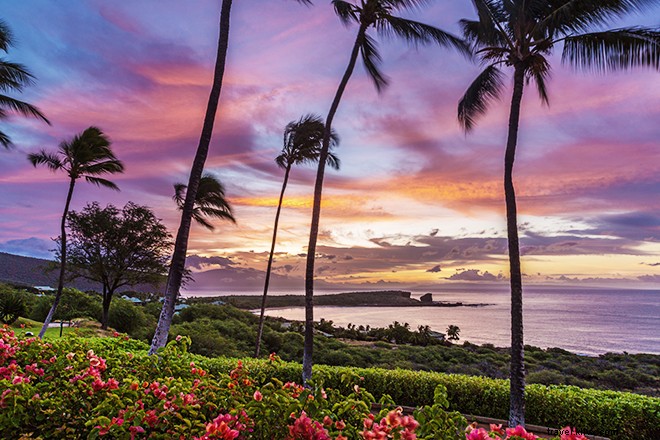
{"x": 210, "y": 201}
{"x": 178, "y": 264}
{"x": 368, "y": 14}
{"x": 521, "y": 34}
{"x": 87, "y": 155}
{"x": 13, "y": 77}
{"x": 302, "y": 144}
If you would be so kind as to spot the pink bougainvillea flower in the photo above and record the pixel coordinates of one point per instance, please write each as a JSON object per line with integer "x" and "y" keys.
{"x": 497, "y": 429}
{"x": 478, "y": 434}
{"x": 571, "y": 434}
{"x": 257, "y": 396}
{"x": 519, "y": 431}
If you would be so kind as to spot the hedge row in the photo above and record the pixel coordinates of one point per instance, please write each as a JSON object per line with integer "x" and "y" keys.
{"x": 617, "y": 415}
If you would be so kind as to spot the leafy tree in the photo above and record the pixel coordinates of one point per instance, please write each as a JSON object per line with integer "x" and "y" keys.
{"x": 178, "y": 264}
{"x": 210, "y": 201}
{"x": 87, "y": 155}
{"x": 368, "y": 14}
{"x": 13, "y": 77}
{"x": 302, "y": 144}
{"x": 117, "y": 248}
{"x": 521, "y": 34}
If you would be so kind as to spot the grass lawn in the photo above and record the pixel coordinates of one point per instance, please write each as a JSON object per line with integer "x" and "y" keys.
{"x": 35, "y": 328}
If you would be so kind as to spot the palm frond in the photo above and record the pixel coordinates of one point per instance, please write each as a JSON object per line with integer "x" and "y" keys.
{"x": 481, "y": 34}
{"x": 565, "y": 16}
{"x": 101, "y": 182}
{"x": 21, "y": 107}
{"x": 221, "y": 213}
{"x": 347, "y": 12}
{"x": 415, "y": 32}
{"x": 210, "y": 200}
{"x": 5, "y": 141}
{"x": 52, "y": 161}
{"x": 333, "y": 161}
{"x": 199, "y": 218}
{"x": 492, "y": 14}
{"x": 179, "y": 196}
{"x": 282, "y": 160}
{"x": 6, "y": 36}
{"x": 538, "y": 69}
{"x": 106, "y": 167}
{"x": 14, "y": 76}
{"x": 484, "y": 89}
{"x": 617, "y": 49}
{"x": 372, "y": 59}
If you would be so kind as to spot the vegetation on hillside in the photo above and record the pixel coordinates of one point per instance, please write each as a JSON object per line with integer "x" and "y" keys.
{"x": 227, "y": 331}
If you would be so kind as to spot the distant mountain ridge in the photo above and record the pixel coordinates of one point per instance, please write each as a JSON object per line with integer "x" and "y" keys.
{"x": 29, "y": 271}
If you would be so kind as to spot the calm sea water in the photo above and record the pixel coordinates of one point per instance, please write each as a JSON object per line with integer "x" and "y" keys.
{"x": 585, "y": 321}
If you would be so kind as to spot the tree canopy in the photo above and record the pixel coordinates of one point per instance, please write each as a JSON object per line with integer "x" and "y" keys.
{"x": 117, "y": 248}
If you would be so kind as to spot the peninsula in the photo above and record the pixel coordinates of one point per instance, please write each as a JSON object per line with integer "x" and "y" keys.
{"x": 382, "y": 298}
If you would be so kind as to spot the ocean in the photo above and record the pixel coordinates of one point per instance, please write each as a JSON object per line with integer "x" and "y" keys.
{"x": 584, "y": 321}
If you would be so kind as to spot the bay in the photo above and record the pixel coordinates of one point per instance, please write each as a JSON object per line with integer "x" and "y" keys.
{"x": 583, "y": 321}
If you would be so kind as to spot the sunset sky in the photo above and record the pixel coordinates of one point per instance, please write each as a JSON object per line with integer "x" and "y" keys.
{"x": 417, "y": 202}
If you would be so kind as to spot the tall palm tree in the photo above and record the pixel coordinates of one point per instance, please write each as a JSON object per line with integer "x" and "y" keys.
{"x": 368, "y": 14}
{"x": 210, "y": 201}
{"x": 521, "y": 34}
{"x": 302, "y": 144}
{"x": 87, "y": 155}
{"x": 178, "y": 264}
{"x": 13, "y": 77}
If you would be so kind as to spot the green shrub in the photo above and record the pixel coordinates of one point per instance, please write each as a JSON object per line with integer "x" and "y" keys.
{"x": 91, "y": 388}
{"x": 617, "y": 415}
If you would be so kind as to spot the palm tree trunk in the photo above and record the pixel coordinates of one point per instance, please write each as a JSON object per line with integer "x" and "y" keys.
{"x": 260, "y": 330}
{"x": 60, "y": 281}
{"x": 178, "y": 263}
{"x": 316, "y": 211}
{"x": 517, "y": 374}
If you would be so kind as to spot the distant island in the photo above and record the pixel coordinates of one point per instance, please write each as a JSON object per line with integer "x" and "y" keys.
{"x": 382, "y": 298}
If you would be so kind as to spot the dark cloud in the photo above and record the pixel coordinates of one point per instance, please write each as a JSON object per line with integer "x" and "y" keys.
{"x": 474, "y": 275}
{"x": 286, "y": 268}
{"x": 651, "y": 264}
{"x": 655, "y": 278}
{"x": 434, "y": 269}
{"x": 199, "y": 262}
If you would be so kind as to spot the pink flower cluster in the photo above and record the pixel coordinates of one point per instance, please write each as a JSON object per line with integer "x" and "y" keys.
{"x": 497, "y": 433}
{"x": 393, "y": 425}
{"x": 304, "y": 428}
{"x": 225, "y": 427}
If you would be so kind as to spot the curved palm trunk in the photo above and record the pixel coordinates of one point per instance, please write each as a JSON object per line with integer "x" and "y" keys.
{"x": 517, "y": 374}
{"x": 270, "y": 264}
{"x": 60, "y": 281}
{"x": 316, "y": 211}
{"x": 178, "y": 263}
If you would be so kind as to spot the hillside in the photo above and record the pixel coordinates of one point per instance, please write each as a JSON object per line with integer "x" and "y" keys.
{"x": 28, "y": 271}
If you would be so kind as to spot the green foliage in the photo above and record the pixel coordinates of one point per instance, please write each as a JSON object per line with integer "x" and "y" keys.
{"x": 117, "y": 248}
{"x": 74, "y": 304}
{"x": 13, "y": 303}
{"x": 109, "y": 387}
{"x": 611, "y": 414}
{"x": 228, "y": 331}
{"x": 127, "y": 318}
